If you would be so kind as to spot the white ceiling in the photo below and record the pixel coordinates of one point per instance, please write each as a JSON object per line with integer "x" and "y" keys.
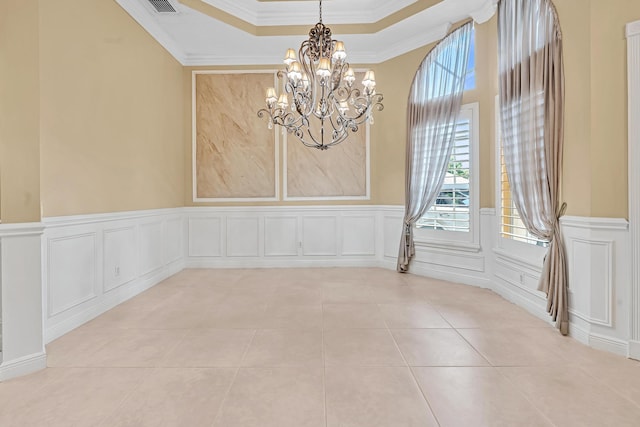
{"x": 195, "y": 38}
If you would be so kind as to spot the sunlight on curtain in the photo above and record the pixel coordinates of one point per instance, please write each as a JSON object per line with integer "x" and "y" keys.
{"x": 532, "y": 119}
{"x": 434, "y": 104}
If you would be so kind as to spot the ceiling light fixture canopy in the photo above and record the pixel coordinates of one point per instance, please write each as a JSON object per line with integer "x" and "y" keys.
{"x": 321, "y": 85}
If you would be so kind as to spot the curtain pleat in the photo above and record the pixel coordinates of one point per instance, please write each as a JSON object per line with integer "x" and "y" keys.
{"x": 532, "y": 118}
{"x": 432, "y": 112}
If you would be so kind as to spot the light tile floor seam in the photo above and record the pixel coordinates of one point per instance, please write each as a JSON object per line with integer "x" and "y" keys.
{"x": 226, "y": 395}
{"x": 235, "y": 376}
{"x": 415, "y": 380}
{"x": 473, "y": 347}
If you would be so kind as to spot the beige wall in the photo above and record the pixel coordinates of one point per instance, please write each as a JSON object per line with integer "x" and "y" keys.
{"x": 111, "y": 110}
{"x": 19, "y": 112}
{"x": 595, "y": 154}
{"x": 95, "y": 115}
{"x": 609, "y": 105}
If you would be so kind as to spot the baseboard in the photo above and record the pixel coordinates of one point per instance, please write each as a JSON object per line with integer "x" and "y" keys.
{"x": 634, "y": 350}
{"x": 612, "y": 345}
{"x": 281, "y": 263}
{"x": 598, "y": 341}
{"x": 420, "y": 269}
{"x": 578, "y": 333}
{"x": 388, "y": 263}
{"x": 23, "y": 366}
{"x": 111, "y": 300}
{"x": 521, "y": 299}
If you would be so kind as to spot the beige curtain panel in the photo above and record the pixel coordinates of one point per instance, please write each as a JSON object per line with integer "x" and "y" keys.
{"x": 532, "y": 117}
{"x": 432, "y": 113}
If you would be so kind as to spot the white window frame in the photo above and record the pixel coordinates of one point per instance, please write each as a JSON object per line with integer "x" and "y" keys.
{"x": 525, "y": 251}
{"x": 461, "y": 240}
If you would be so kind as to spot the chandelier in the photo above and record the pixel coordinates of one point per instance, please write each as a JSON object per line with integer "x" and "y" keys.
{"x": 319, "y": 86}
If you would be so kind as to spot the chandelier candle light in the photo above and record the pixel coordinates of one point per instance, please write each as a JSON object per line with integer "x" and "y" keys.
{"x": 320, "y": 83}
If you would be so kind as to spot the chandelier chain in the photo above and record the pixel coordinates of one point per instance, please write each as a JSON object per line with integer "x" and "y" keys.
{"x": 321, "y": 11}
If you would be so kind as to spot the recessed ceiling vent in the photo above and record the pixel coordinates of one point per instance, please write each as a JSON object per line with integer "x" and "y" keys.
{"x": 163, "y": 6}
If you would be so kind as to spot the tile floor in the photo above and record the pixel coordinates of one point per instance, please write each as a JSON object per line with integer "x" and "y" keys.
{"x": 321, "y": 347}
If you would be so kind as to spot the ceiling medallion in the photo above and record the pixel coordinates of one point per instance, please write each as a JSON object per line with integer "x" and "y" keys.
{"x": 321, "y": 86}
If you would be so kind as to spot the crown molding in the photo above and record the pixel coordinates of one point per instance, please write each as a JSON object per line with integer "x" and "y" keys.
{"x": 359, "y": 57}
{"x": 410, "y": 43}
{"x": 485, "y": 12}
{"x": 182, "y": 35}
{"x": 143, "y": 17}
{"x": 283, "y": 13}
{"x": 633, "y": 29}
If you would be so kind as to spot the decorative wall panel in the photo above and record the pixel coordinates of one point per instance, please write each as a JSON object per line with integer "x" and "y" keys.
{"x": 243, "y": 237}
{"x": 72, "y": 271}
{"x": 150, "y": 252}
{"x": 174, "y": 249}
{"x": 319, "y": 235}
{"x": 341, "y": 172}
{"x": 119, "y": 257}
{"x": 235, "y": 154}
{"x": 205, "y": 236}
{"x": 281, "y": 236}
{"x": 359, "y": 235}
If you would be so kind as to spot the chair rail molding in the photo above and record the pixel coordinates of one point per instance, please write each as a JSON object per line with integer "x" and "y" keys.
{"x": 633, "y": 75}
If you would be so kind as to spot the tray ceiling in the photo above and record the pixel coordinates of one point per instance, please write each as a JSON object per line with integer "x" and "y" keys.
{"x": 248, "y": 32}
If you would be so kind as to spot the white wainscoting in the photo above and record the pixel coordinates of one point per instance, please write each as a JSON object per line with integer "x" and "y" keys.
{"x": 392, "y": 227}
{"x": 599, "y": 275}
{"x": 22, "y": 348}
{"x": 92, "y": 263}
{"x": 285, "y": 236}
{"x": 455, "y": 261}
{"x": 598, "y": 265}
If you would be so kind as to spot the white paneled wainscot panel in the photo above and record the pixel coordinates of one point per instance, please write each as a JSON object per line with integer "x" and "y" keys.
{"x": 280, "y": 236}
{"x": 285, "y": 236}
{"x": 243, "y": 237}
{"x": 599, "y": 274}
{"x": 94, "y": 262}
{"x": 174, "y": 241}
{"x": 205, "y": 236}
{"x": 72, "y": 271}
{"x": 150, "y": 248}
{"x": 119, "y": 257}
{"x": 391, "y": 231}
{"x": 592, "y": 265}
{"x": 359, "y": 235}
{"x": 319, "y": 235}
